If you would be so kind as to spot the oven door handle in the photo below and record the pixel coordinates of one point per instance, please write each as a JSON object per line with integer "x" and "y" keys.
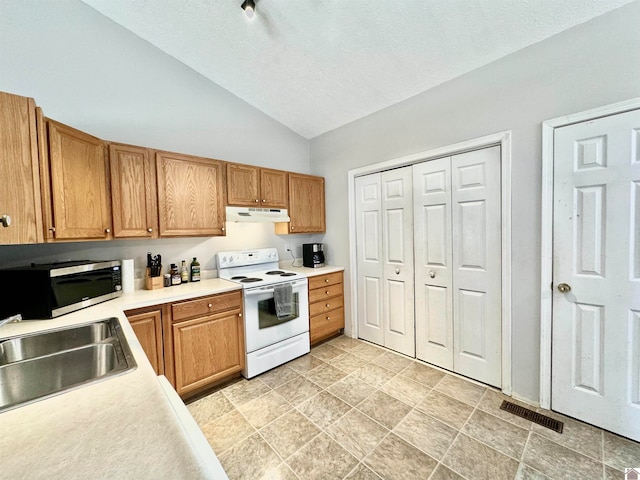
{"x": 260, "y": 291}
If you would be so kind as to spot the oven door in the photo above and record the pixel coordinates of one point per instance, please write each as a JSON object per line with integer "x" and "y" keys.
{"x": 263, "y": 327}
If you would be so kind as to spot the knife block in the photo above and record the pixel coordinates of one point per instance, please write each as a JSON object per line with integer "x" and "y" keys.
{"x": 152, "y": 283}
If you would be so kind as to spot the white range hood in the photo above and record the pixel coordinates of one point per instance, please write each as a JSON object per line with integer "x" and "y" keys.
{"x": 256, "y": 214}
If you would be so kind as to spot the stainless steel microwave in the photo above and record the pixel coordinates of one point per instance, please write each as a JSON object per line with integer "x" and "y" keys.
{"x": 41, "y": 291}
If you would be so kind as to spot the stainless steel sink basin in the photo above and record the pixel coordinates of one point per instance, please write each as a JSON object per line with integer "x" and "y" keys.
{"x": 37, "y": 366}
{"x": 23, "y": 348}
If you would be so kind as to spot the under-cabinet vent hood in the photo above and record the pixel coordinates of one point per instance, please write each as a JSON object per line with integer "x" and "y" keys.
{"x": 252, "y": 214}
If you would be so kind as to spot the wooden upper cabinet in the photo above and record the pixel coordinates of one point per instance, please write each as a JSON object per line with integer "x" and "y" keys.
{"x": 20, "y": 193}
{"x": 191, "y": 193}
{"x": 75, "y": 166}
{"x": 306, "y": 205}
{"x": 253, "y": 186}
{"x": 133, "y": 192}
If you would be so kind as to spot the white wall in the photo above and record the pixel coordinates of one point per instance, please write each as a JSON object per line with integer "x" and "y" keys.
{"x": 592, "y": 64}
{"x": 87, "y": 71}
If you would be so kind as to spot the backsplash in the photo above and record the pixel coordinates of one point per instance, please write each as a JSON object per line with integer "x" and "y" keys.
{"x": 173, "y": 250}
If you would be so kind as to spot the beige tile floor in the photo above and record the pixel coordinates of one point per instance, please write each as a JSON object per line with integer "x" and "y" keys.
{"x": 351, "y": 410}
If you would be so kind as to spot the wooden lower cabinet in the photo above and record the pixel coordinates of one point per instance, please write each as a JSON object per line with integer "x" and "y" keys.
{"x": 207, "y": 347}
{"x": 147, "y": 325}
{"x": 326, "y": 306}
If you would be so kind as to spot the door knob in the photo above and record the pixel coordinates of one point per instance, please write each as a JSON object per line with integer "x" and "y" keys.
{"x": 564, "y": 288}
{"x": 397, "y": 271}
{"x": 5, "y": 220}
{"x": 432, "y": 274}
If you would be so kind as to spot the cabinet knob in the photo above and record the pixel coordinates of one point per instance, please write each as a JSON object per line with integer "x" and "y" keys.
{"x": 397, "y": 270}
{"x": 327, "y": 292}
{"x": 292, "y": 227}
{"x": 264, "y": 201}
{"x": 223, "y": 229}
{"x": 240, "y": 315}
{"x": 149, "y": 230}
{"x": 210, "y": 305}
{"x": 432, "y": 274}
{"x": 107, "y": 230}
{"x": 5, "y": 220}
{"x": 257, "y": 201}
{"x": 326, "y": 280}
{"x": 328, "y": 318}
{"x": 52, "y": 229}
{"x": 327, "y": 305}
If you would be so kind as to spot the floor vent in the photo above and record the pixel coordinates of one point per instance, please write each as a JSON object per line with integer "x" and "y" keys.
{"x": 550, "y": 423}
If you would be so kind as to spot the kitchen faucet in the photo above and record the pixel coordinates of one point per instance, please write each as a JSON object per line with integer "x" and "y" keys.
{"x": 13, "y": 318}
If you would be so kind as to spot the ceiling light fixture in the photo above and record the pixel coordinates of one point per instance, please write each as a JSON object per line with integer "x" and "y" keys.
{"x": 249, "y": 8}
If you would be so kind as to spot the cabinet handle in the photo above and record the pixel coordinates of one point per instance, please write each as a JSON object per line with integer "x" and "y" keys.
{"x": 107, "y": 230}
{"x": 240, "y": 315}
{"x": 52, "y": 229}
{"x": 210, "y": 305}
{"x": 149, "y": 230}
{"x": 328, "y": 318}
{"x": 257, "y": 201}
{"x": 223, "y": 229}
{"x": 326, "y": 280}
{"x": 292, "y": 227}
{"x": 327, "y": 305}
{"x": 327, "y": 292}
{"x": 5, "y": 220}
{"x": 264, "y": 201}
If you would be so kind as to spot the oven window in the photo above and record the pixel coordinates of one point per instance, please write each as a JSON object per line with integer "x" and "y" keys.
{"x": 267, "y": 313}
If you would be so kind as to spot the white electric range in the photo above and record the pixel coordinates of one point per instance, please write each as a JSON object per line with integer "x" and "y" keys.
{"x": 270, "y": 340}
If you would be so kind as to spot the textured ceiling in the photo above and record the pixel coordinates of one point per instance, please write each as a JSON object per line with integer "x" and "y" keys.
{"x": 318, "y": 64}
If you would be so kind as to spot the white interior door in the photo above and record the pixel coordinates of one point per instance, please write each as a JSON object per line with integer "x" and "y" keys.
{"x": 397, "y": 241}
{"x": 477, "y": 265}
{"x": 369, "y": 262}
{"x": 433, "y": 260}
{"x": 596, "y": 273}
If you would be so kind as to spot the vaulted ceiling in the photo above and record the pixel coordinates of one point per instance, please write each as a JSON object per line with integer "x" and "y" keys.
{"x": 316, "y": 65}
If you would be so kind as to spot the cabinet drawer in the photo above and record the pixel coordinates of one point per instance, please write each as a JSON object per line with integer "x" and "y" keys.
{"x": 323, "y": 325}
{"x": 323, "y": 280}
{"x": 324, "y": 293}
{"x": 205, "y": 305}
{"x": 326, "y": 305}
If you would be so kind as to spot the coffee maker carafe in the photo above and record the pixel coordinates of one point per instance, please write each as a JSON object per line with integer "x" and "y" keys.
{"x": 312, "y": 255}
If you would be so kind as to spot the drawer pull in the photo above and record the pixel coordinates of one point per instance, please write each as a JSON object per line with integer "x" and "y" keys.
{"x": 326, "y": 280}
{"x": 210, "y": 305}
{"x": 328, "y": 318}
{"x": 327, "y": 292}
{"x": 327, "y": 305}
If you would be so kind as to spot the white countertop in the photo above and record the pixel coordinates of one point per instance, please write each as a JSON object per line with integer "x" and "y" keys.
{"x": 125, "y": 427}
{"x": 310, "y": 272}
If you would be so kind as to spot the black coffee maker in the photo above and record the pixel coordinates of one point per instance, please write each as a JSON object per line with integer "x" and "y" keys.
{"x": 312, "y": 255}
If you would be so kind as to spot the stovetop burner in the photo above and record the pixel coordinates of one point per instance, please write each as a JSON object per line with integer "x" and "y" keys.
{"x": 288, "y": 274}
{"x": 238, "y": 277}
{"x": 274, "y": 272}
{"x": 250, "y": 280}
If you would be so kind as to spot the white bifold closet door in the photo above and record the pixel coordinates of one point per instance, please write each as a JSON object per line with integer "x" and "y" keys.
{"x": 384, "y": 233}
{"x": 458, "y": 263}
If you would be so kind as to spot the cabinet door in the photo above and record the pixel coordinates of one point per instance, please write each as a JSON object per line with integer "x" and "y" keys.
{"x": 306, "y": 205}
{"x": 133, "y": 192}
{"x": 242, "y": 185}
{"x": 207, "y": 349}
{"x": 20, "y": 193}
{"x": 78, "y": 169}
{"x": 274, "y": 189}
{"x": 191, "y": 195}
{"x": 148, "y": 328}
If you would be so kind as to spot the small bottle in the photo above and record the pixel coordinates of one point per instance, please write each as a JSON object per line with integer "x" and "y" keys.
{"x": 195, "y": 270}
{"x": 184, "y": 273}
{"x": 175, "y": 275}
{"x": 167, "y": 280}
